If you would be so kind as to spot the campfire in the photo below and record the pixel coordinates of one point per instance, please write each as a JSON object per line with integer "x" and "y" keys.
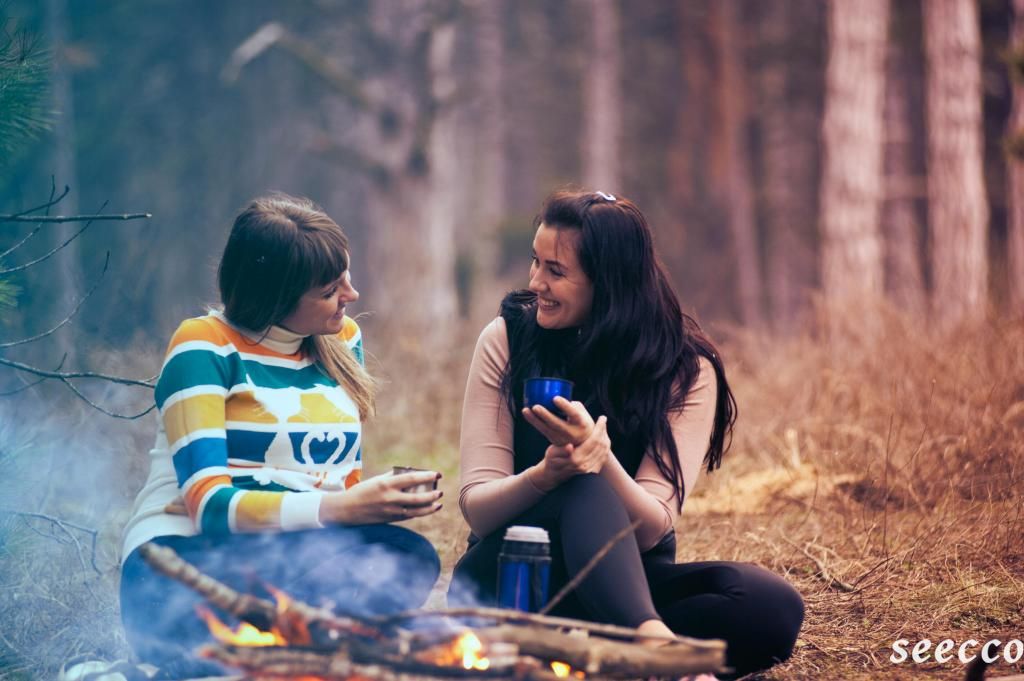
{"x": 288, "y": 639}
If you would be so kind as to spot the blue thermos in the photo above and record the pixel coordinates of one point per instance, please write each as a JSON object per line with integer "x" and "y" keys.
{"x": 524, "y": 568}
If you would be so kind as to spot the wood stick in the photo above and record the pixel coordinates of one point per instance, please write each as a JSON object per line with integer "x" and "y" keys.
{"x": 610, "y": 659}
{"x": 502, "y": 615}
{"x": 588, "y": 568}
{"x": 290, "y": 662}
{"x": 295, "y": 621}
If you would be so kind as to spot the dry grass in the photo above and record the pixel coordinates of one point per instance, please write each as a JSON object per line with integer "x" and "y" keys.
{"x": 890, "y": 455}
{"x": 893, "y": 458}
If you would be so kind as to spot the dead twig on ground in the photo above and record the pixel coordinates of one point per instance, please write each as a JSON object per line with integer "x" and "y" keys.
{"x": 823, "y": 572}
{"x": 66, "y": 526}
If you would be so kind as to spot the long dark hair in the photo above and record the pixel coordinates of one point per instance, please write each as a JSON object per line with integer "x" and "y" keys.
{"x": 638, "y": 353}
{"x": 279, "y": 248}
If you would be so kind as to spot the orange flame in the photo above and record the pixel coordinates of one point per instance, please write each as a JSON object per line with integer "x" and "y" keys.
{"x": 244, "y": 634}
{"x": 563, "y": 671}
{"x": 465, "y": 650}
{"x": 469, "y": 646}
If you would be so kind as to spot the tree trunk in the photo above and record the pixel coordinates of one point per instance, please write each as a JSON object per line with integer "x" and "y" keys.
{"x": 739, "y": 195}
{"x": 1015, "y": 165}
{"x": 852, "y": 132}
{"x": 788, "y": 84}
{"x": 958, "y": 211}
{"x": 64, "y": 281}
{"x": 602, "y": 95}
{"x": 901, "y": 221}
{"x": 491, "y": 199}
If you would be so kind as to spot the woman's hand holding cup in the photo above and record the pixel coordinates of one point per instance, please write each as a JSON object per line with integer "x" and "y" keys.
{"x": 574, "y": 428}
{"x": 382, "y": 499}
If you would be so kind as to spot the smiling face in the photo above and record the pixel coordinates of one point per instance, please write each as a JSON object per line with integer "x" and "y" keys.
{"x": 564, "y": 292}
{"x": 321, "y": 310}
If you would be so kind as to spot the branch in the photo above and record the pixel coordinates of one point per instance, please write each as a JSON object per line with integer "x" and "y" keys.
{"x": 588, "y": 568}
{"x": 52, "y": 202}
{"x": 128, "y": 417}
{"x": 73, "y": 218}
{"x": 298, "y": 622}
{"x": 36, "y": 382}
{"x": 274, "y": 34}
{"x": 823, "y": 571}
{"x": 64, "y": 525}
{"x": 502, "y": 615}
{"x": 47, "y": 255}
{"x": 148, "y": 383}
{"x": 23, "y": 341}
{"x": 348, "y": 155}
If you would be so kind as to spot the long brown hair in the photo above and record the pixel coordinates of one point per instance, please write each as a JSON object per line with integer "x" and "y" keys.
{"x": 638, "y": 350}
{"x": 280, "y": 247}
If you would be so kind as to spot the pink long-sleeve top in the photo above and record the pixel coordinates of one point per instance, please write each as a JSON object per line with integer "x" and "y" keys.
{"x": 491, "y": 494}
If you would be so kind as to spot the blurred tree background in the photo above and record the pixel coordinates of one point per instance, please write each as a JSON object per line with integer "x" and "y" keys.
{"x": 773, "y": 162}
{"x": 789, "y": 154}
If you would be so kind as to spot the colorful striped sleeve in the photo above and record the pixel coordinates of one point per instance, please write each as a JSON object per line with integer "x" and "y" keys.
{"x": 200, "y": 370}
{"x": 353, "y": 337}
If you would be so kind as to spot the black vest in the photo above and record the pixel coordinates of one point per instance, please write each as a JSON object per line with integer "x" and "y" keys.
{"x": 550, "y": 353}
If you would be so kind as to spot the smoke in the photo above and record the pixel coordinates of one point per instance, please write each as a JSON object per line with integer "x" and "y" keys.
{"x": 70, "y": 474}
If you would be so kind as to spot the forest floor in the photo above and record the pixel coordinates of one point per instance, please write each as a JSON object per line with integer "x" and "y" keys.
{"x": 880, "y": 472}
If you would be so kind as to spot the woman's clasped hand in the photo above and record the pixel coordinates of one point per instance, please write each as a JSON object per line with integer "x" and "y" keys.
{"x": 578, "y": 443}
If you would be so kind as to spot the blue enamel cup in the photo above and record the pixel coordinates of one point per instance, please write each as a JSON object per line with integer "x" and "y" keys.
{"x": 543, "y": 391}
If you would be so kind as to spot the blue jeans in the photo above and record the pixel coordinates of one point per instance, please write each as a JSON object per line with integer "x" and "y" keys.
{"x": 360, "y": 570}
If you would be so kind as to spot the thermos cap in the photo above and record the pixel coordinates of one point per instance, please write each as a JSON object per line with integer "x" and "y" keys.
{"x": 525, "y": 533}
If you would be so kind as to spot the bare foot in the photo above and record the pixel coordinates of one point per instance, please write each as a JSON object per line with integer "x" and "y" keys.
{"x": 655, "y": 628}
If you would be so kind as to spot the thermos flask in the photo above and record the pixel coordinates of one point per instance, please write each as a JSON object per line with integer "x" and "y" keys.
{"x": 524, "y": 567}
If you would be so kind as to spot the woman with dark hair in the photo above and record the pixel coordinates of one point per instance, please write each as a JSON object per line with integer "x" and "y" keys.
{"x": 651, "y": 407}
{"x": 256, "y": 473}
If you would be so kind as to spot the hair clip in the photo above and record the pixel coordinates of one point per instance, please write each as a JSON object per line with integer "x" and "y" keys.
{"x": 606, "y": 197}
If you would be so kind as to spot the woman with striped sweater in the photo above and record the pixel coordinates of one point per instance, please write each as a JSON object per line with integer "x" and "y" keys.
{"x": 256, "y": 472}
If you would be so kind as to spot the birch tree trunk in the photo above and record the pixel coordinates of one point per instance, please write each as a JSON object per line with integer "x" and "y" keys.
{"x": 739, "y": 195}
{"x": 1015, "y": 165}
{"x": 788, "y": 117}
{"x": 602, "y": 95}
{"x": 852, "y": 132}
{"x": 958, "y": 212}
{"x": 901, "y": 223}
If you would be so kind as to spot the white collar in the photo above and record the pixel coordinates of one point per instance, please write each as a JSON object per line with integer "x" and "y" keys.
{"x": 276, "y": 338}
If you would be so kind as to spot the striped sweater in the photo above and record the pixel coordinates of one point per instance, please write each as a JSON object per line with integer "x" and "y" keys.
{"x": 251, "y": 433}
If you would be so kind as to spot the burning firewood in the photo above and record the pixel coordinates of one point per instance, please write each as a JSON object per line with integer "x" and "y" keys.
{"x": 313, "y": 642}
{"x": 297, "y": 622}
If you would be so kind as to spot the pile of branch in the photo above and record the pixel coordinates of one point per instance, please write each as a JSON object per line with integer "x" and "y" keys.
{"x": 518, "y": 645}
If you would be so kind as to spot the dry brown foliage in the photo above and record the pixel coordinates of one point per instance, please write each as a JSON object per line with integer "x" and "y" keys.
{"x": 887, "y": 453}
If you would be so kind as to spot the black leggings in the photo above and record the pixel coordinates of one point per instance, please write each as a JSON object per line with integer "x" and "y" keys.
{"x": 363, "y": 570}
{"x": 756, "y": 612}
